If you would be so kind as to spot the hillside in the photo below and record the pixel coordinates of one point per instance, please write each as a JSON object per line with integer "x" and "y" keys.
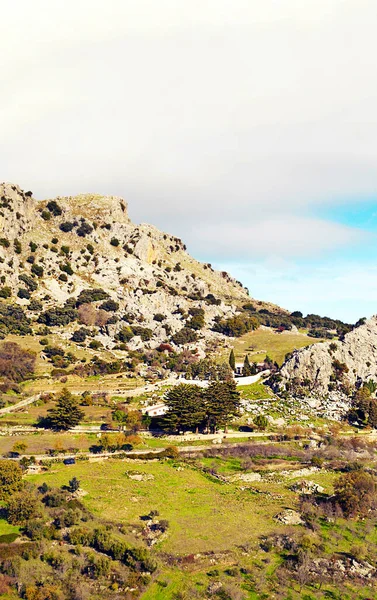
{"x": 75, "y": 263}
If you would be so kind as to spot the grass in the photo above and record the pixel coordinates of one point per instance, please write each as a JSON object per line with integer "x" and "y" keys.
{"x": 262, "y": 341}
{"x": 6, "y": 528}
{"x": 203, "y": 514}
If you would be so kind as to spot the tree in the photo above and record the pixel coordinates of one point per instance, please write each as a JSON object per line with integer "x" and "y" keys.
{"x": 73, "y": 485}
{"x": 232, "y": 360}
{"x": 260, "y": 422}
{"x": 19, "y": 447}
{"x": 372, "y": 416}
{"x": 16, "y": 363}
{"x": 22, "y": 507}
{"x": 246, "y": 370}
{"x": 186, "y": 408}
{"x": 355, "y": 492}
{"x": 10, "y": 478}
{"x": 66, "y": 414}
{"x": 222, "y": 402}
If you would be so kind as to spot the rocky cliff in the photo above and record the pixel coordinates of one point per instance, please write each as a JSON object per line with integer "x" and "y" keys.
{"x": 336, "y": 366}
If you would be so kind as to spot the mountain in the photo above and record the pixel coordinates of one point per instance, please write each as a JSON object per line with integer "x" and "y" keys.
{"x": 83, "y": 253}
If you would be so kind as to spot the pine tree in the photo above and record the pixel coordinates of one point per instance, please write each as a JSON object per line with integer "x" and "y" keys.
{"x": 186, "y": 409}
{"x": 232, "y": 360}
{"x": 372, "y": 417}
{"x": 222, "y": 401}
{"x": 246, "y": 370}
{"x": 66, "y": 414}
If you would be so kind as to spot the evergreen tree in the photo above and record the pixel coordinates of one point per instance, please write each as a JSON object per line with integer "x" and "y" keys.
{"x": 232, "y": 360}
{"x": 372, "y": 416}
{"x": 66, "y": 414}
{"x": 186, "y": 409}
{"x": 246, "y": 370}
{"x": 222, "y": 401}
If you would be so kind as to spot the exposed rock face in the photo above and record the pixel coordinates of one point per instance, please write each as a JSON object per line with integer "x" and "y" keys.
{"x": 51, "y": 250}
{"x": 315, "y": 367}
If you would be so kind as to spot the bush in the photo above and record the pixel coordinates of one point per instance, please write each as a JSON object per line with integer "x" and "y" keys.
{"x": 236, "y": 326}
{"x": 185, "y": 336}
{"x": 29, "y": 281}
{"x": 5, "y": 292}
{"x": 23, "y": 294}
{"x": 13, "y": 320}
{"x": 91, "y": 295}
{"x": 16, "y": 363}
{"x": 66, "y": 226}
{"x": 37, "y": 270}
{"x": 80, "y": 335}
{"x": 84, "y": 229}
{"x": 54, "y": 208}
{"x": 58, "y": 316}
{"x": 46, "y": 215}
{"x": 22, "y": 507}
{"x": 10, "y": 478}
{"x": 109, "y": 306}
{"x": 114, "y": 242}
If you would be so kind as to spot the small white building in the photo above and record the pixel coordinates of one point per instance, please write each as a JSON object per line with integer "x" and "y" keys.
{"x": 157, "y": 410}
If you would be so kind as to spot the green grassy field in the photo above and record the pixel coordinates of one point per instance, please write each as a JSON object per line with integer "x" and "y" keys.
{"x": 203, "y": 514}
{"x": 262, "y": 341}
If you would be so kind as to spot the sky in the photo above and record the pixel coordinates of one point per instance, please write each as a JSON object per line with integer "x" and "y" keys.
{"x": 246, "y": 127}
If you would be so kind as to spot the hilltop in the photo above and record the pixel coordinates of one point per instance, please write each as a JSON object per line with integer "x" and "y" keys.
{"x": 78, "y": 265}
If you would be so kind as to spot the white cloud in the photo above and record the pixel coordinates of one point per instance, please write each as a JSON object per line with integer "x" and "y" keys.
{"x": 277, "y": 237}
{"x": 214, "y": 119}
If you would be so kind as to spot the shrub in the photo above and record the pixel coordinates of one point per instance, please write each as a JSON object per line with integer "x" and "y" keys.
{"x": 80, "y": 335}
{"x": 46, "y": 215}
{"x": 23, "y": 294}
{"x": 185, "y": 336}
{"x": 10, "y": 478}
{"x": 91, "y": 295}
{"x": 16, "y": 363}
{"x": 114, "y": 242}
{"x": 33, "y": 246}
{"x": 54, "y": 208}
{"x": 4, "y": 242}
{"x": 5, "y": 292}
{"x": 84, "y": 229}
{"x": 66, "y": 226}
{"x": 37, "y": 270}
{"x": 66, "y": 268}
{"x": 109, "y": 306}
{"x": 29, "y": 281}
{"x": 58, "y": 316}
{"x": 13, "y": 320}
{"x": 22, "y": 507}
{"x": 145, "y": 333}
{"x": 17, "y": 246}
{"x": 35, "y": 305}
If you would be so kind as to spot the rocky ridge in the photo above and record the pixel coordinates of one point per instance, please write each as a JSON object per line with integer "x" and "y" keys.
{"x": 52, "y": 250}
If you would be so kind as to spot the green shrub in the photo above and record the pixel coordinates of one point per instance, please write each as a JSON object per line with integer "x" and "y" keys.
{"x": 54, "y": 208}
{"x": 37, "y": 270}
{"x": 66, "y": 226}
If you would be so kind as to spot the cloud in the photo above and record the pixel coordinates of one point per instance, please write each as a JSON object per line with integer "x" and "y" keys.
{"x": 215, "y": 121}
{"x": 277, "y": 237}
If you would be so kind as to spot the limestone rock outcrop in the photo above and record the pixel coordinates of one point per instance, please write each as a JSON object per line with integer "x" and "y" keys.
{"x": 324, "y": 367}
